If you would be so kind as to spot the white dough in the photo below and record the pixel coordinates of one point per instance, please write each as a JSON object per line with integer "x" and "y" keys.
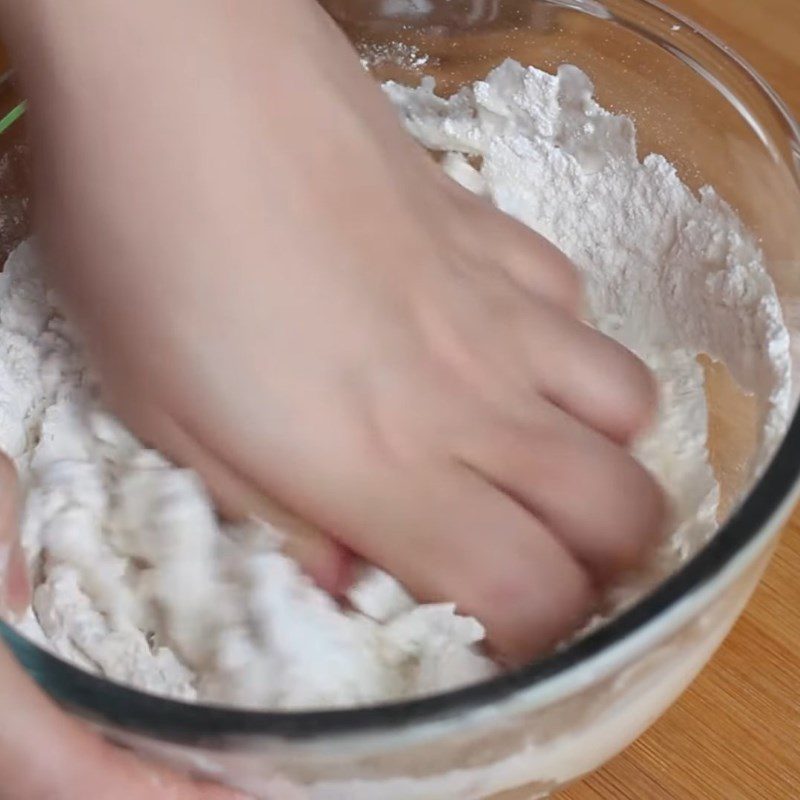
{"x": 138, "y": 580}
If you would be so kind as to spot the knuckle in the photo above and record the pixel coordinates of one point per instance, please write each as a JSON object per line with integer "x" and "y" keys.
{"x": 562, "y": 284}
{"x": 645, "y": 395}
{"x": 638, "y": 399}
{"x": 523, "y": 623}
{"x": 641, "y": 512}
{"x": 570, "y": 285}
{"x": 539, "y": 264}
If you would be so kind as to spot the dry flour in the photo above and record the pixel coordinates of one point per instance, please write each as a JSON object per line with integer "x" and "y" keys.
{"x": 137, "y": 579}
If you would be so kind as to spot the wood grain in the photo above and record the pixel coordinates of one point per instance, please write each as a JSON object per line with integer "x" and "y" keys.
{"x": 735, "y": 735}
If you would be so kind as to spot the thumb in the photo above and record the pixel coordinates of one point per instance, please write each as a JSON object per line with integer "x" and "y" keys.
{"x": 44, "y": 754}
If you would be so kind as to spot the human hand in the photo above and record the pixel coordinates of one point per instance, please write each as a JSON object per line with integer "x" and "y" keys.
{"x": 282, "y": 291}
{"x": 46, "y": 755}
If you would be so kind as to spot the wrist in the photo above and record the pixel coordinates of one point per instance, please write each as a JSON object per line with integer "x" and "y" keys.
{"x": 20, "y": 22}
{"x": 32, "y": 33}
{"x": 49, "y": 39}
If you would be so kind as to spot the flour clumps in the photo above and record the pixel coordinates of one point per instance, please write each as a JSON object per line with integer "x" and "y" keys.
{"x": 137, "y": 578}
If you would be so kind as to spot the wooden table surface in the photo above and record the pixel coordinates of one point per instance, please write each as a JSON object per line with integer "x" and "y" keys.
{"x": 735, "y": 735}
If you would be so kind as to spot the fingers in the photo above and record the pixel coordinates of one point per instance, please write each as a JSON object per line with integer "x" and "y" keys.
{"x": 592, "y": 494}
{"x": 589, "y": 375}
{"x": 331, "y": 565}
{"x": 13, "y": 573}
{"x": 580, "y": 369}
{"x": 45, "y": 755}
{"x": 531, "y": 260}
{"x": 451, "y": 536}
{"x": 537, "y": 265}
{"x": 326, "y": 561}
{"x": 447, "y": 534}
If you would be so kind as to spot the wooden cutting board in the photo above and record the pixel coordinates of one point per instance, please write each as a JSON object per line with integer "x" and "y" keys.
{"x": 735, "y": 735}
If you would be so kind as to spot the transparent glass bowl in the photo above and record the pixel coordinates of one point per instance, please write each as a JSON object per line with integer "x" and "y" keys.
{"x": 532, "y": 731}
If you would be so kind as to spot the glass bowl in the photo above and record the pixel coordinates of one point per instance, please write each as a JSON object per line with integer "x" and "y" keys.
{"x": 531, "y": 731}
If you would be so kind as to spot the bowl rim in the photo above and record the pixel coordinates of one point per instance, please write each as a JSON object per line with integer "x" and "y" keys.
{"x": 108, "y": 702}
